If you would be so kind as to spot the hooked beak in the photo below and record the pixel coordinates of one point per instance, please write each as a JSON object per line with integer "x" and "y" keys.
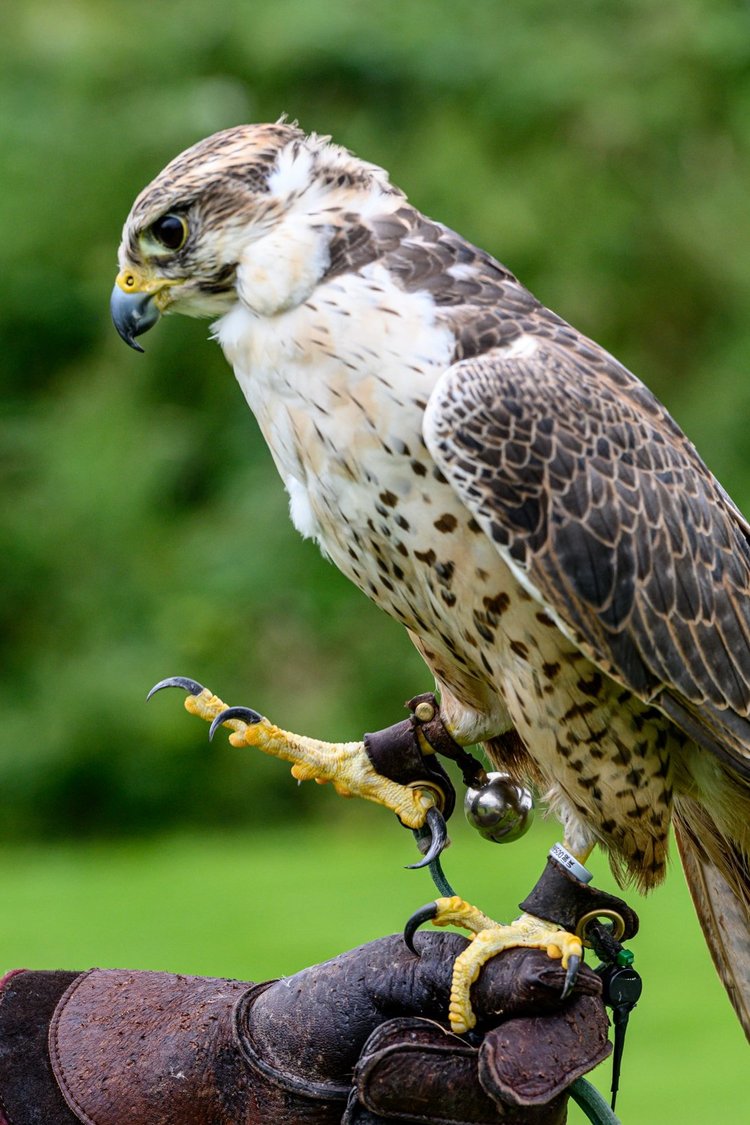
{"x": 134, "y": 307}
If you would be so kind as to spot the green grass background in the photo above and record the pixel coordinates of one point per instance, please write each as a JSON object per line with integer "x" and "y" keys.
{"x": 255, "y": 905}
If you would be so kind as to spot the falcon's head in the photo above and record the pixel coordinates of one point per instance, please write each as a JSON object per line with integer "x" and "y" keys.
{"x": 248, "y": 212}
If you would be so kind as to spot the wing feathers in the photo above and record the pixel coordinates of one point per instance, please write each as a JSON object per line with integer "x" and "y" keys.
{"x": 589, "y": 488}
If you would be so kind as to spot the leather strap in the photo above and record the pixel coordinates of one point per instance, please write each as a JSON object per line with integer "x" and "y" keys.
{"x": 561, "y": 898}
{"x": 395, "y": 753}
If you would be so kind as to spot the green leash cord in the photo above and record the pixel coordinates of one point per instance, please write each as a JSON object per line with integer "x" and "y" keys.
{"x": 422, "y": 836}
{"x": 592, "y": 1103}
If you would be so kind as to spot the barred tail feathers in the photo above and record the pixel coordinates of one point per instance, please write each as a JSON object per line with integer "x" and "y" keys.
{"x": 718, "y": 877}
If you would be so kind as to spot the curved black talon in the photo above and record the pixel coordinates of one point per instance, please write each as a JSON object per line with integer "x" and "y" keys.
{"x": 419, "y": 917}
{"x": 435, "y": 821}
{"x": 192, "y": 687}
{"x": 245, "y": 713}
{"x": 571, "y": 975}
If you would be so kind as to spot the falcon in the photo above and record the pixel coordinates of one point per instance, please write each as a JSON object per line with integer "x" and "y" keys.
{"x": 560, "y": 555}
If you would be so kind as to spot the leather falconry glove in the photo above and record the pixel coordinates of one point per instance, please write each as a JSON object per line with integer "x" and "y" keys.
{"x": 360, "y": 1040}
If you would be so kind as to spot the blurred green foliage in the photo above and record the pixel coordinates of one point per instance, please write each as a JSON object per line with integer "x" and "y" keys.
{"x": 602, "y": 151}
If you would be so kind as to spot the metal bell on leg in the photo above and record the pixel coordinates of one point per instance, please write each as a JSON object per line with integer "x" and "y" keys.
{"x": 500, "y": 809}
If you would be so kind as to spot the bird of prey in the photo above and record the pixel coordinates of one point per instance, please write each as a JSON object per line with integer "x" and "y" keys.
{"x": 559, "y": 553}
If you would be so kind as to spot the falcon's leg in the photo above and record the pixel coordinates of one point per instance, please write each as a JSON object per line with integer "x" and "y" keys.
{"x": 557, "y": 914}
{"x": 344, "y": 764}
{"x": 488, "y": 938}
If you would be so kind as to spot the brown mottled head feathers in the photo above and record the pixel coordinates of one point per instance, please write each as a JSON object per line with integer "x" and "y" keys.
{"x": 241, "y": 157}
{"x": 236, "y": 164}
{"x": 235, "y": 185}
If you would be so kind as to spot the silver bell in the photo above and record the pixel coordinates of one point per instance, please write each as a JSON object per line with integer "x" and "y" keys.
{"x": 500, "y": 810}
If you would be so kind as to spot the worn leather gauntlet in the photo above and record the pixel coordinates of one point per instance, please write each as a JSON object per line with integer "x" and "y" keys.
{"x": 360, "y": 1039}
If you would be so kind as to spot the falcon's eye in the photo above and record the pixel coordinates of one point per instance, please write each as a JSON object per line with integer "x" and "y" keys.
{"x": 170, "y": 231}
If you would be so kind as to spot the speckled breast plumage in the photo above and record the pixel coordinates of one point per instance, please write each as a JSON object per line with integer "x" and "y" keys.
{"x": 341, "y": 404}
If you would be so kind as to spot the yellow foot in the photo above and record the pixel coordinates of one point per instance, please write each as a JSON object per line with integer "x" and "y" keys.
{"x": 489, "y": 938}
{"x": 344, "y": 764}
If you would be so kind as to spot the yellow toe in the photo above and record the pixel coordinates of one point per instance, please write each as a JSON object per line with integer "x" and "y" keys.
{"x": 488, "y": 939}
{"x": 344, "y": 764}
